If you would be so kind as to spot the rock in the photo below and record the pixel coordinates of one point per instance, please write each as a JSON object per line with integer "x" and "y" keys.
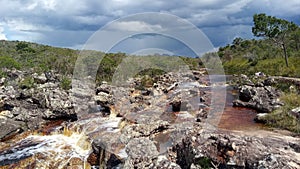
{"x": 2, "y": 81}
{"x": 259, "y": 74}
{"x": 171, "y": 87}
{"x": 143, "y": 130}
{"x": 244, "y": 80}
{"x": 139, "y": 148}
{"x": 9, "y": 128}
{"x": 296, "y": 112}
{"x": 260, "y": 117}
{"x": 246, "y": 93}
{"x": 40, "y": 79}
{"x": 6, "y": 114}
{"x": 233, "y": 151}
{"x": 269, "y": 81}
{"x": 141, "y": 153}
{"x": 60, "y": 114}
{"x": 104, "y": 99}
{"x": 263, "y": 99}
{"x": 104, "y": 88}
{"x": 176, "y": 105}
{"x": 50, "y": 76}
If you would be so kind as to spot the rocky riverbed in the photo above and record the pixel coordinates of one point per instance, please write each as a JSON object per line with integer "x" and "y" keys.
{"x": 174, "y": 122}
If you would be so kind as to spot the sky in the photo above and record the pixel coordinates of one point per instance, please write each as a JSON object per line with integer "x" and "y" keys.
{"x": 71, "y": 23}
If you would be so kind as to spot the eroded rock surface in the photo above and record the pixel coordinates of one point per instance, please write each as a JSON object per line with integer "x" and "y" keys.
{"x": 261, "y": 96}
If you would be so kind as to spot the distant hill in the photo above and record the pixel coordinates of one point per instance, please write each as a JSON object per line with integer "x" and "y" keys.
{"x": 41, "y": 58}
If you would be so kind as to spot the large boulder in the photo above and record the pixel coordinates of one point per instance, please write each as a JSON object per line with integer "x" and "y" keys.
{"x": 264, "y": 99}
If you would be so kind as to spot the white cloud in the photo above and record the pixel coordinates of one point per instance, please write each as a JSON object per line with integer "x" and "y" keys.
{"x": 2, "y": 35}
{"x": 20, "y": 25}
{"x": 135, "y": 26}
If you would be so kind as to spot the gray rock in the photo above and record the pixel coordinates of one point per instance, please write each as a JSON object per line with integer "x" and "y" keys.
{"x": 263, "y": 99}
{"x": 2, "y": 81}
{"x": 40, "y": 79}
{"x": 9, "y": 128}
{"x": 141, "y": 153}
{"x": 296, "y": 112}
{"x": 260, "y": 117}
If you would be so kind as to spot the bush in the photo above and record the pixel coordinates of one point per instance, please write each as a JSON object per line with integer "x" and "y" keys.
{"x": 65, "y": 83}
{"x": 281, "y": 118}
{"x": 27, "y": 83}
{"x": 8, "y": 62}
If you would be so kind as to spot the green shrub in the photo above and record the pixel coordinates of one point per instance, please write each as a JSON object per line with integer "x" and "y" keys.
{"x": 27, "y": 83}
{"x": 147, "y": 81}
{"x": 9, "y": 62}
{"x": 204, "y": 163}
{"x": 236, "y": 66}
{"x": 65, "y": 83}
{"x": 281, "y": 118}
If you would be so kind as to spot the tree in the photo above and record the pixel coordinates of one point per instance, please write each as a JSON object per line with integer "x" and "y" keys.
{"x": 295, "y": 38}
{"x": 273, "y": 28}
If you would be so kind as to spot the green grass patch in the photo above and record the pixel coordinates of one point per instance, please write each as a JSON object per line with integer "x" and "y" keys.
{"x": 65, "y": 83}
{"x": 9, "y": 62}
{"x": 27, "y": 83}
{"x": 281, "y": 118}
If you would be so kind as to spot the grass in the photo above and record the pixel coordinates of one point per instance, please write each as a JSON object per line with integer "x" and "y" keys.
{"x": 27, "y": 83}
{"x": 281, "y": 118}
{"x": 65, "y": 83}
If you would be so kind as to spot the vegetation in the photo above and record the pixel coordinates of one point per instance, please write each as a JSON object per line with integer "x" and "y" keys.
{"x": 275, "y": 29}
{"x": 65, "y": 83}
{"x": 42, "y": 58}
{"x": 9, "y": 62}
{"x": 265, "y": 55}
{"x": 282, "y": 118}
{"x": 27, "y": 83}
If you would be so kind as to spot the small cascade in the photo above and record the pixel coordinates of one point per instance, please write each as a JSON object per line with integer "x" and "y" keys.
{"x": 48, "y": 151}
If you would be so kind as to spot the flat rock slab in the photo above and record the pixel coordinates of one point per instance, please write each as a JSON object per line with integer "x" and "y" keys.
{"x": 9, "y": 128}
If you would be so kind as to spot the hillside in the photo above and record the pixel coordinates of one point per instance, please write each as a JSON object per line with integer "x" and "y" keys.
{"x": 42, "y": 58}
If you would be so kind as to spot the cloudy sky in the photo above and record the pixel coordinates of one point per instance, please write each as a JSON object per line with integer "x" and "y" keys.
{"x": 70, "y": 23}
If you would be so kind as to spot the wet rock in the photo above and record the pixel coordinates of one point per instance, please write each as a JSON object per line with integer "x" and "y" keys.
{"x": 9, "y": 128}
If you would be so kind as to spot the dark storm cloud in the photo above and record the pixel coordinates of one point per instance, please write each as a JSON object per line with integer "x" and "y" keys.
{"x": 69, "y": 23}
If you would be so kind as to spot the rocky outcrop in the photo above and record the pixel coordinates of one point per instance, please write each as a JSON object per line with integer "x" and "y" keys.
{"x": 33, "y": 105}
{"x": 234, "y": 151}
{"x": 261, "y": 96}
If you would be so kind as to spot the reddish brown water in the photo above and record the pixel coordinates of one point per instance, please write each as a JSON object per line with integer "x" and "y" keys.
{"x": 237, "y": 118}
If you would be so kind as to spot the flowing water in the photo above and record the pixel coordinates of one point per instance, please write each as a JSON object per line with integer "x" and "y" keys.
{"x": 53, "y": 148}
